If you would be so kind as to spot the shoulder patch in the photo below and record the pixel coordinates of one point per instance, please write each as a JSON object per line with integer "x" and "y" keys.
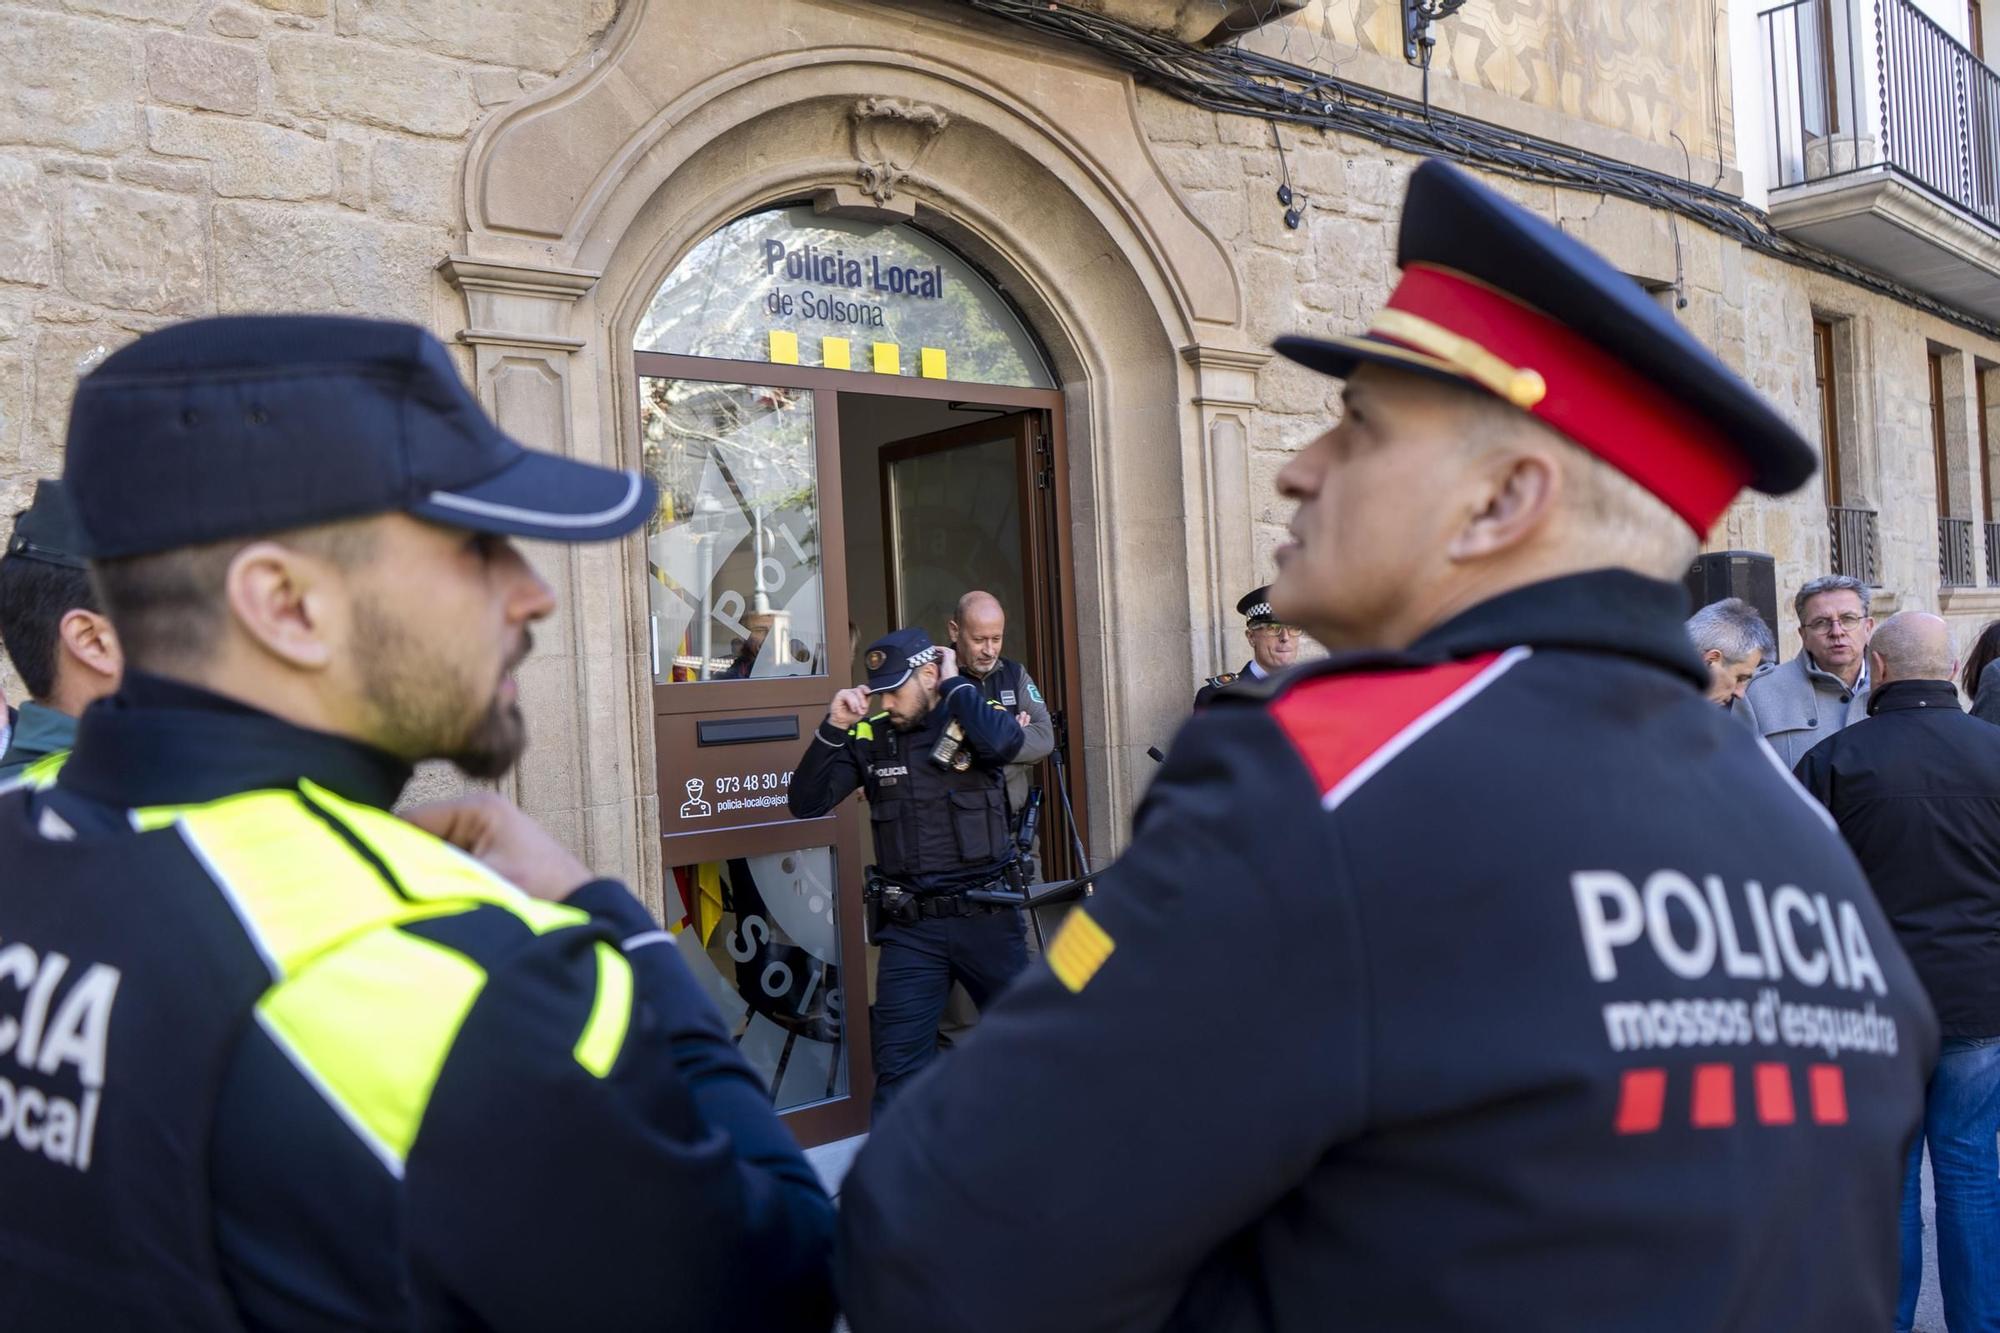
{"x": 1217, "y": 682}
{"x": 1347, "y": 727}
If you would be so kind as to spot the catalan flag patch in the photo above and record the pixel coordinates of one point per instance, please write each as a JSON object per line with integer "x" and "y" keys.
{"x": 1078, "y": 950}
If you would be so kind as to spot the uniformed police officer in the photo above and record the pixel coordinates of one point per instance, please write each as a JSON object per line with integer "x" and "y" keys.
{"x": 1274, "y": 645}
{"x": 58, "y": 639}
{"x": 931, "y": 753}
{"x": 1540, "y": 998}
{"x": 274, "y": 1058}
{"x": 978, "y": 632}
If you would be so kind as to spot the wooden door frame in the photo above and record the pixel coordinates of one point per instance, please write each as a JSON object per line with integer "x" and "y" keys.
{"x": 826, "y": 1122}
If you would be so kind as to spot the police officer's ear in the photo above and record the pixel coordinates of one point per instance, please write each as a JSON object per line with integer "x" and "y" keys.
{"x": 289, "y": 603}
{"x": 88, "y": 638}
{"x": 1511, "y": 493}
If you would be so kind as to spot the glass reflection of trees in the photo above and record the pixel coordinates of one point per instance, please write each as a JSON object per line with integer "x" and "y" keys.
{"x": 734, "y": 549}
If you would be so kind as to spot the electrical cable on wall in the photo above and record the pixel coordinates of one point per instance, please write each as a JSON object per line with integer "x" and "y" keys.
{"x": 1233, "y": 81}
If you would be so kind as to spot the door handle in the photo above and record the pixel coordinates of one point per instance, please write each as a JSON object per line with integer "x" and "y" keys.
{"x": 745, "y": 730}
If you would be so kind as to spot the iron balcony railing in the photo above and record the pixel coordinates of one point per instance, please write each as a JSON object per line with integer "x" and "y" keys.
{"x": 1993, "y": 555}
{"x": 1858, "y": 85}
{"x": 1955, "y": 567}
{"x": 1854, "y": 545}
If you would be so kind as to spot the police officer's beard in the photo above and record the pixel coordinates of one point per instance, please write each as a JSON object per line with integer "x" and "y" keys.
{"x": 424, "y": 711}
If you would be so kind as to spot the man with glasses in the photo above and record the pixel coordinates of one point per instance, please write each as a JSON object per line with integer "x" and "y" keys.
{"x": 1273, "y": 645}
{"x": 1801, "y": 703}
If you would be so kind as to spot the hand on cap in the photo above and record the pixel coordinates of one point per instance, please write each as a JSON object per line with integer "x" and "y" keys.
{"x": 498, "y": 834}
{"x": 848, "y": 707}
{"x": 947, "y": 661}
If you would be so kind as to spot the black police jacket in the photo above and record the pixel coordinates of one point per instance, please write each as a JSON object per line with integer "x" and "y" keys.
{"x": 271, "y": 1059}
{"x": 935, "y": 827}
{"x": 1506, "y": 984}
{"x": 1915, "y": 788}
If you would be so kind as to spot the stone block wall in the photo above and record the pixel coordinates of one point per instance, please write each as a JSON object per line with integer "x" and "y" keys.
{"x": 167, "y": 158}
{"x": 1754, "y": 310}
{"x": 1650, "y": 68}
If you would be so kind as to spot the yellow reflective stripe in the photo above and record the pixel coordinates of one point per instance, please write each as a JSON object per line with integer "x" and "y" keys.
{"x": 297, "y": 885}
{"x": 42, "y": 773}
{"x": 431, "y": 870}
{"x": 1078, "y": 950}
{"x": 371, "y": 1023}
{"x": 610, "y": 1013}
{"x": 862, "y": 731}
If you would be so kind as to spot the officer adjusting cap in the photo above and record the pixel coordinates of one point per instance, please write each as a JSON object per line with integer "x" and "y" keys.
{"x": 1495, "y": 298}
{"x": 1255, "y": 606}
{"x": 249, "y": 424}
{"x": 891, "y": 658}
{"x": 47, "y": 530}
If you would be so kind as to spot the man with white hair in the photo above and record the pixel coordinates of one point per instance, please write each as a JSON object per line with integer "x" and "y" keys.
{"x": 1915, "y": 787}
{"x": 1408, "y": 1005}
{"x": 1733, "y": 641}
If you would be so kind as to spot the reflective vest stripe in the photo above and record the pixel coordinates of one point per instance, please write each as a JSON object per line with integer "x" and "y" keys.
{"x": 610, "y": 1013}
{"x": 367, "y": 1011}
{"x": 372, "y": 1022}
{"x": 38, "y": 775}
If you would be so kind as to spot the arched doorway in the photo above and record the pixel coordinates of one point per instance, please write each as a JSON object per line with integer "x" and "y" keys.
{"x": 850, "y": 428}
{"x": 1033, "y": 166}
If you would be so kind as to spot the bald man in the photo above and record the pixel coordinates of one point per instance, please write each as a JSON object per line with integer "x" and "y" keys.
{"x": 978, "y": 630}
{"x": 1915, "y": 788}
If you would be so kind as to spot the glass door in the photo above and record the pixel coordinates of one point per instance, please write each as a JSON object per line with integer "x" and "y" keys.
{"x": 742, "y": 587}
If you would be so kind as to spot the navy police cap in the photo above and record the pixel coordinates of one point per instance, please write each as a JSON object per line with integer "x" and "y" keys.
{"x": 1255, "y": 606}
{"x": 250, "y": 424}
{"x": 891, "y": 658}
{"x": 1496, "y": 298}
{"x": 47, "y": 530}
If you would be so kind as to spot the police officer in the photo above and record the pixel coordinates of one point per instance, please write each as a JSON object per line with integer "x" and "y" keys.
{"x": 276, "y": 1059}
{"x": 57, "y": 638}
{"x": 1541, "y": 998}
{"x": 1274, "y": 645}
{"x": 978, "y": 631}
{"x": 932, "y": 754}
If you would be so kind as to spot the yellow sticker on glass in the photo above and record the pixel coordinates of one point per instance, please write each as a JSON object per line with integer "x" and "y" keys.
{"x": 784, "y": 347}
{"x": 836, "y": 354}
{"x": 1078, "y": 950}
{"x": 888, "y": 359}
{"x": 933, "y": 363}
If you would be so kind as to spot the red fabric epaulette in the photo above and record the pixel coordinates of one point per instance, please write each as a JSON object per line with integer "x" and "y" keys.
{"x": 1346, "y": 726}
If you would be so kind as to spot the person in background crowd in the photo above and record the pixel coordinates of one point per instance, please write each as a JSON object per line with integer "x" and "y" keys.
{"x": 1915, "y": 788}
{"x": 57, "y": 638}
{"x": 1981, "y": 682}
{"x": 309, "y": 1065}
{"x": 1274, "y": 645}
{"x": 931, "y": 753}
{"x": 1799, "y": 703}
{"x": 1404, "y": 1007}
{"x": 1734, "y": 641}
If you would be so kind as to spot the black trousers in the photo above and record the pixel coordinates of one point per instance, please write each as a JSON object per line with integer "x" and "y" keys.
{"x": 918, "y": 964}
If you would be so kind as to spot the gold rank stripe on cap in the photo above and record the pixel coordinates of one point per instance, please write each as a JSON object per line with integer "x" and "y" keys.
{"x": 1078, "y": 950}
{"x": 1520, "y": 386}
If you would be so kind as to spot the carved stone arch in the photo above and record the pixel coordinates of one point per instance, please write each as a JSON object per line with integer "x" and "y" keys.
{"x": 1032, "y": 164}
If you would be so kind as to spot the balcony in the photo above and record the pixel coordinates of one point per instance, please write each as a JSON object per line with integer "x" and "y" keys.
{"x": 1955, "y": 567}
{"x": 1854, "y": 544}
{"x": 1885, "y": 145}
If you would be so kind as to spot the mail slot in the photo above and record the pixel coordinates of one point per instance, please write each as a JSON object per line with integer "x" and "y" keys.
{"x": 745, "y": 730}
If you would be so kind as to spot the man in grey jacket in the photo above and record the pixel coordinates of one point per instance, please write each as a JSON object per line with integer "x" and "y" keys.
{"x": 1824, "y": 688}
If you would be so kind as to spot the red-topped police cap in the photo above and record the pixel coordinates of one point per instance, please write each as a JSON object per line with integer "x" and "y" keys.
{"x": 1495, "y": 298}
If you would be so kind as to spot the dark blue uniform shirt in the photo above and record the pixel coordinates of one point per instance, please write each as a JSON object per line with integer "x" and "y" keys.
{"x": 1504, "y": 984}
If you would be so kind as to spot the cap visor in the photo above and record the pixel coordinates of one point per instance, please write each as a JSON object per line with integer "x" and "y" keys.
{"x": 1339, "y": 357}
{"x": 894, "y": 684}
{"x": 548, "y": 497}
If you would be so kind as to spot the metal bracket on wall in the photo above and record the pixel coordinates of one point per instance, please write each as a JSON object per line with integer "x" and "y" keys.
{"x": 1418, "y": 15}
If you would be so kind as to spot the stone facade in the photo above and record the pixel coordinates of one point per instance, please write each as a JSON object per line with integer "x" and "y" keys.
{"x": 519, "y": 174}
